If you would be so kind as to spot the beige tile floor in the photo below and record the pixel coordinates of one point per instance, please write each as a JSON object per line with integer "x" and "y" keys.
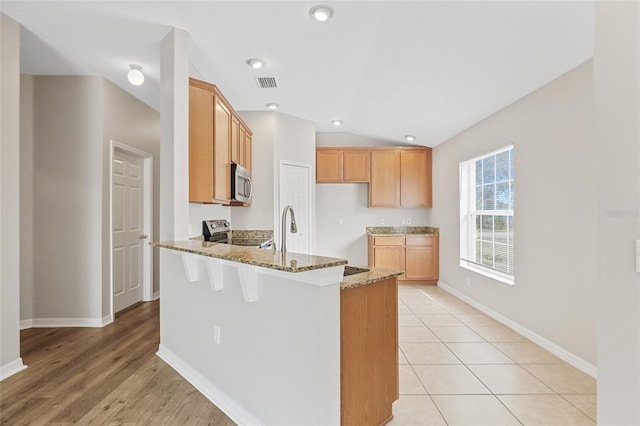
{"x": 460, "y": 367}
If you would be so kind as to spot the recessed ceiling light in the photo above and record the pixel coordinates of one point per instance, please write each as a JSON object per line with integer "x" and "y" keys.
{"x": 135, "y": 75}
{"x": 321, "y": 13}
{"x": 336, "y": 122}
{"x": 272, "y": 106}
{"x": 256, "y": 63}
{"x": 410, "y": 138}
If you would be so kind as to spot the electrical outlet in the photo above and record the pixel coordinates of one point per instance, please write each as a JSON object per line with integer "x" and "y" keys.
{"x": 408, "y": 221}
{"x": 382, "y": 221}
{"x": 340, "y": 221}
{"x": 468, "y": 282}
{"x": 216, "y": 334}
{"x": 404, "y": 221}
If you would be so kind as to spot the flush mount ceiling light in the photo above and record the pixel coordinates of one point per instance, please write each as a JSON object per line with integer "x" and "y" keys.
{"x": 135, "y": 75}
{"x": 256, "y": 63}
{"x": 410, "y": 138}
{"x": 272, "y": 106}
{"x": 336, "y": 122}
{"x": 321, "y": 13}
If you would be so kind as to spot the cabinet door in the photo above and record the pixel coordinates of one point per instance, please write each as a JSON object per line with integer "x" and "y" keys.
{"x": 248, "y": 140}
{"x": 384, "y": 189}
{"x": 236, "y": 141}
{"x": 221, "y": 152}
{"x": 356, "y": 165}
{"x": 328, "y": 165}
{"x": 200, "y": 145}
{"x": 415, "y": 178}
{"x": 389, "y": 257}
{"x": 421, "y": 258}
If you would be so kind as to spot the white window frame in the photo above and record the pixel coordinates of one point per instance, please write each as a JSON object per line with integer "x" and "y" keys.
{"x": 467, "y": 221}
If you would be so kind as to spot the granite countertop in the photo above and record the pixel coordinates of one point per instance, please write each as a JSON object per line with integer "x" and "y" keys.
{"x": 289, "y": 262}
{"x": 368, "y": 276}
{"x": 401, "y": 231}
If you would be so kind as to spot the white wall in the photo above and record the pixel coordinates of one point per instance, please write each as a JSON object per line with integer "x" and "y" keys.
{"x": 260, "y": 214}
{"x": 27, "y": 242}
{"x": 10, "y": 361}
{"x": 294, "y": 140}
{"x": 555, "y": 213}
{"x": 617, "y": 106}
{"x": 276, "y": 137}
{"x": 349, "y": 202}
{"x": 129, "y": 121}
{"x": 68, "y": 214}
{"x": 67, "y": 123}
{"x": 174, "y": 139}
{"x": 348, "y": 139}
{"x": 278, "y": 357}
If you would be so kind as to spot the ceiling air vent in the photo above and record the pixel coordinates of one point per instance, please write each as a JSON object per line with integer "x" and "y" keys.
{"x": 266, "y": 82}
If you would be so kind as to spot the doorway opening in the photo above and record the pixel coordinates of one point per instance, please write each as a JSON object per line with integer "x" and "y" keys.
{"x": 131, "y": 225}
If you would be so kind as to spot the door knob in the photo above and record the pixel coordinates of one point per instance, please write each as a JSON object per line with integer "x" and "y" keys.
{"x": 143, "y": 237}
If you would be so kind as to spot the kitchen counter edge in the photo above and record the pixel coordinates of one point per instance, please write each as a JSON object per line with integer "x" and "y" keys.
{"x": 369, "y": 276}
{"x": 288, "y": 262}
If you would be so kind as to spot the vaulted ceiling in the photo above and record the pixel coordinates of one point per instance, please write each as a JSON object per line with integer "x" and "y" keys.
{"x": 385, "y": 68}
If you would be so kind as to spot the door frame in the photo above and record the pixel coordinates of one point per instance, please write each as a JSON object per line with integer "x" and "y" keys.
{"x": 147, "y": 213}
{"x": 310, "y": 216}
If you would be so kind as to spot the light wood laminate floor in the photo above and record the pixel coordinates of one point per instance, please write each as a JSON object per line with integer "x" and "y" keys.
{"x": 101, "y": 376}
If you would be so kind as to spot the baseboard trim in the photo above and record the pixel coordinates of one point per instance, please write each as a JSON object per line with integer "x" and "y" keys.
{"x": 65, "y": 322}
{"x": 558, "y": 351}
{"x": 11, "y": 368}
{"x": 224, "y": 402}
{"x": 107, "y": 319}
{"x": 156, "y": 295}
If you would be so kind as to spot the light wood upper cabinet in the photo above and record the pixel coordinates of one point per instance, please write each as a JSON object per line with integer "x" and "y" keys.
{"x": 236, "y": 140}
{"x": 221, "y": 151}
{"x": 217, "y": 136}
{"x": 417, "y": 256}
{"x": 356, "y": 165}
{"x": 384, "y": 189}
{"x": 328, "y": 165}
{"x": 246, "y": 152}
{"x": 336, "y": 165}
{"x": 415, "y": 178}
{"x": 400, "y": 177}
{"x": 201, "y": 112}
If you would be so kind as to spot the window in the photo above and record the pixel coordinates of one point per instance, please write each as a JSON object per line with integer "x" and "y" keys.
{"x": 486, "y": 215}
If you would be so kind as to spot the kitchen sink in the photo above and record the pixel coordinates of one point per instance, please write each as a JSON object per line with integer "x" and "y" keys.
{"x": 350, "y": 270}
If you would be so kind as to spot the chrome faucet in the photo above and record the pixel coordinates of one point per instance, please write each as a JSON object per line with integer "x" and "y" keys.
{"x": 283, "y": 229}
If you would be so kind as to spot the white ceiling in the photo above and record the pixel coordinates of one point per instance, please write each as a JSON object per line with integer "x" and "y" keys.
{"x": 386, "y": 68}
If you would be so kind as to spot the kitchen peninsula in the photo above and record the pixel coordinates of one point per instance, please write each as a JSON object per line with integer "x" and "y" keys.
{"x": 280, "y": 338}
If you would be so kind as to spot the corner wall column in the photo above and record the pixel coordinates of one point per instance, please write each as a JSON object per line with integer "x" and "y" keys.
{"x": 10, "y": 361}
{"x": 174, "y": 139}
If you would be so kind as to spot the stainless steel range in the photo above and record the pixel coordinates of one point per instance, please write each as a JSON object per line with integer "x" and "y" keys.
{"x": 219, "y": 231}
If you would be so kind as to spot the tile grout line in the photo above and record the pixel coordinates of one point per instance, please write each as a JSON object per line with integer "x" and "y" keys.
{"x": 478, "y": 378}
{"x": 492, "y": 344}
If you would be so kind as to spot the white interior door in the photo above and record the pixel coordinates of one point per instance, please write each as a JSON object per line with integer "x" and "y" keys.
{"x": 128, "y": 230}
{"x": 295, "y": 191}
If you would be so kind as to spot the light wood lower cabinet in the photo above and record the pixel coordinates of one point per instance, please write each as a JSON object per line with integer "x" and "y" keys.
{"x": 368, "y": 353}
{"x": 416, "y": 256}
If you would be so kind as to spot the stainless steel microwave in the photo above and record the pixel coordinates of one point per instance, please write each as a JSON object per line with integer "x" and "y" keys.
{"x": 241, "y": 185}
